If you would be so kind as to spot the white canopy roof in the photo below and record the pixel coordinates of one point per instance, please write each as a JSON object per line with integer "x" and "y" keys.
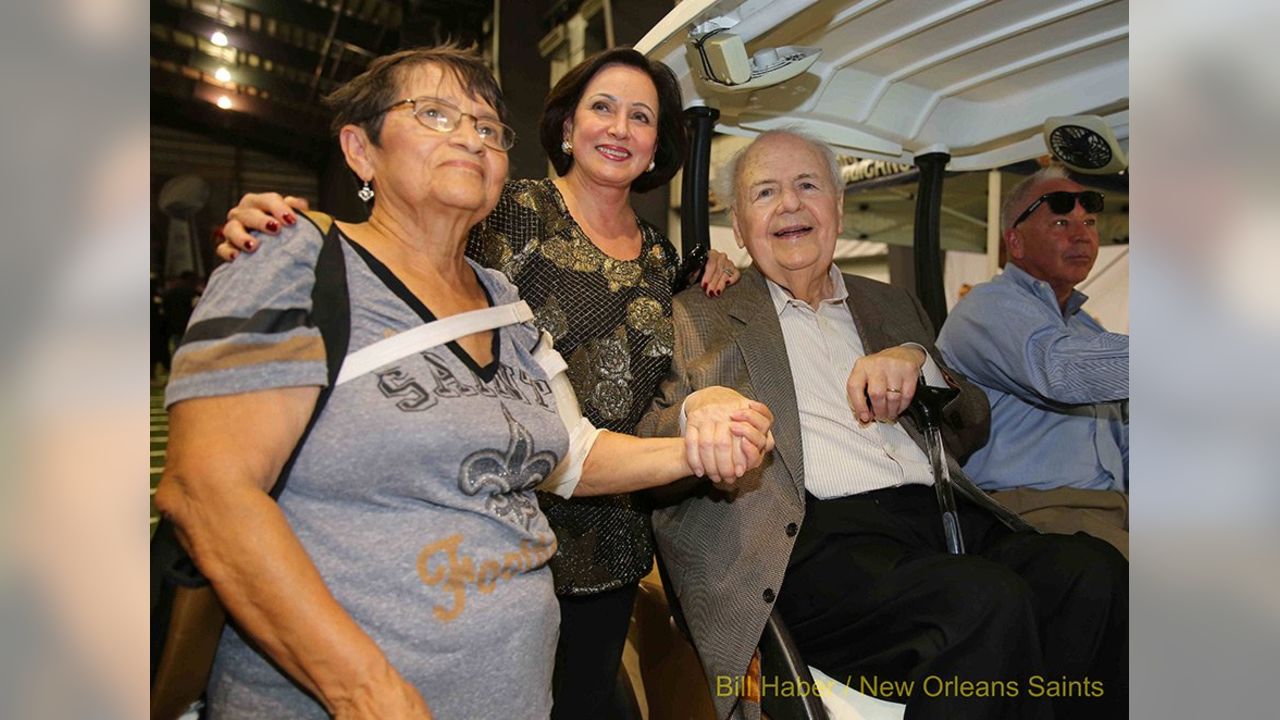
{"x": 897, "y": 78}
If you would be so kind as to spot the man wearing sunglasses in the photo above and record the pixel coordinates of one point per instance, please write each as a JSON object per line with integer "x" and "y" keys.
{"x": 1057, "y": 381}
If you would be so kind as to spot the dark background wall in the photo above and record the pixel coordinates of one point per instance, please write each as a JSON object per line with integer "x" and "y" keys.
{"x": 525, "y": 76}
{"x": 525, "y": 81}
{"x": 631, "y": 20}
{"x": 281, "y": 150}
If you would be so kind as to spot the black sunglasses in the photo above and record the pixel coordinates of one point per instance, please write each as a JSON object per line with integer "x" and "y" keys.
{"x": 1063, "y": 202}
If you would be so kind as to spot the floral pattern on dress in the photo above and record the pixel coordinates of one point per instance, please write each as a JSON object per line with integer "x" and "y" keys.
{"x": 611, "y": 321}
{"x": 645, "y": 316}
{"x": 551, "y": 317}
{"x": 601, "y": 369}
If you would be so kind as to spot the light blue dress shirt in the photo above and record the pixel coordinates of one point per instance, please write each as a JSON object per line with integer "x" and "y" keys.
{"x": 1058, "y": 384}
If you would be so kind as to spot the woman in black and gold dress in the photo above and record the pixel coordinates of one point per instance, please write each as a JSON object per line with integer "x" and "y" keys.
{"x": 599, "y": 280}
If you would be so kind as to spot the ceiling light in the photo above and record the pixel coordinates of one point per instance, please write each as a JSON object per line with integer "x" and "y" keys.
{"x": 223, "y": 75}
{"x": 218, "y": 38}
{"x": 224, "y": 102}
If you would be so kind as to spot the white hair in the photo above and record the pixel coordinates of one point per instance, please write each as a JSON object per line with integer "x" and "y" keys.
{"x": 1020, "y": 196}
{"x": 730, "y": 177}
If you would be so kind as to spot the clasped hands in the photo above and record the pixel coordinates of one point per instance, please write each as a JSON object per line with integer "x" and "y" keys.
{"x": 725, "y": 434}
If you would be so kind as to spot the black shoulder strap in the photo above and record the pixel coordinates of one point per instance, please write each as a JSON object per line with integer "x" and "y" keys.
{"x": 331, "y": 313}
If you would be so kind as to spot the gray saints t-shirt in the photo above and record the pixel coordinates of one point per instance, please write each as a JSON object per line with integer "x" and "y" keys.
{"x": 414, "y": 494}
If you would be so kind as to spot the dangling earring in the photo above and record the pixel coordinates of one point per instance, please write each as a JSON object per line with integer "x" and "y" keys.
{"x": 566, "y": 147}
{"x": 652, "y": 165}
{"x": 365, "y": 193}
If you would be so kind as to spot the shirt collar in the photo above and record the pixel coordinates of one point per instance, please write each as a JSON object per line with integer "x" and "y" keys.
{"x": 1041, "y": 289}
{"x": 782, "y": 298}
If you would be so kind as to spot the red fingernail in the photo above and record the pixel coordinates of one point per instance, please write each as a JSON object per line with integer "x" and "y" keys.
{"x": 273, "y": 226}
{"x": 290, "y": 218}
{"x": 248, "y": 244}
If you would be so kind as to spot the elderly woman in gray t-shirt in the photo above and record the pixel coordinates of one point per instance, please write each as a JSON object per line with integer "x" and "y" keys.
{"x": 405, "y": 564}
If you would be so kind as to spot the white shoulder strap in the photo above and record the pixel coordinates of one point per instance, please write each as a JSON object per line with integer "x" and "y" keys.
{"x": 582, "y": 434}
{"x": 431, "y": 335}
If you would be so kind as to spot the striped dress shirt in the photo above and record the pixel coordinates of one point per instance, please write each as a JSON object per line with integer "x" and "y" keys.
{"x": 842, "y": 456}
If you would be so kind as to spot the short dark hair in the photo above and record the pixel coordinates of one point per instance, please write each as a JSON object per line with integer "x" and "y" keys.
{"x": 362, "y": 99}
{"x": 673, "y": 143}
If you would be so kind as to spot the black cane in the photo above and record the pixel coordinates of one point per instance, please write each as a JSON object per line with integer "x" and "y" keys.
{"x": 926, "y": 410}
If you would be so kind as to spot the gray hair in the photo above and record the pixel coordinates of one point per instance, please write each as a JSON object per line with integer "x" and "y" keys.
{"x": 1020, "y": 196}
{"x": 363, "y": 99}
{"x": 731, "y": 175}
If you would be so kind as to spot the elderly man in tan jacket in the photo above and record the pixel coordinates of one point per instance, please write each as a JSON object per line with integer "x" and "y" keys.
{"x": 840, "y": 530}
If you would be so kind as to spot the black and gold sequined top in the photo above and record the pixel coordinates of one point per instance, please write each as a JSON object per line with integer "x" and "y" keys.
{"x": 611, "y": 320}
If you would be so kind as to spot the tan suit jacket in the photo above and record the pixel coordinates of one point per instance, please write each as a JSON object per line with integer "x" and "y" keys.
{"x": 726, "y": 554}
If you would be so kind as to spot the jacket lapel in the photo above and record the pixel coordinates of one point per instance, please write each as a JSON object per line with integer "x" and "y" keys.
{"x": 872, "y": 328}
{"x": 764, "y": 350}
{"x": 868, "y": 318}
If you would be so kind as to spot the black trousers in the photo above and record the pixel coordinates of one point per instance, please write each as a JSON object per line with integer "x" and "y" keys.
{"x": 593, "y": 631}
{"x": 1023, "y": 626}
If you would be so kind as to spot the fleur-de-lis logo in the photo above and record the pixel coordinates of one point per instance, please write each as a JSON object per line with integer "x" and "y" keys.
{"x": 502, "y": 474}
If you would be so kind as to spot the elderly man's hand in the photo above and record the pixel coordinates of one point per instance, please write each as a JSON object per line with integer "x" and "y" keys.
{"x": 726, "y": 434}
{"x": 882, "y": 384}
{"x": 263, "y": 212}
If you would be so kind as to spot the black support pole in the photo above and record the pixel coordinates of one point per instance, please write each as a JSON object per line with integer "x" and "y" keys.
{"x": 928, "y": 236}
{"x": 695, "y": 228}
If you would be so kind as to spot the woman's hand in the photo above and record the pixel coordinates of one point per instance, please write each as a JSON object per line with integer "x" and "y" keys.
{"x": 390, "y": 697}
{"x": 261, "y": 212}
{"x": 718, "y": 274}
{"x": 726, "y": 434}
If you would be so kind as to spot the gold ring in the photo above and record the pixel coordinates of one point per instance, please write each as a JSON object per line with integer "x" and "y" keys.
{"x": 727, "y": 271}
{"x": 894, "y": 390}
